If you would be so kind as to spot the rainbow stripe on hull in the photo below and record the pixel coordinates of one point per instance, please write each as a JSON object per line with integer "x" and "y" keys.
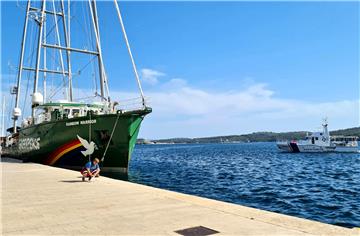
{"x": 61, "y": 151}
{"x": 56, "y": 143}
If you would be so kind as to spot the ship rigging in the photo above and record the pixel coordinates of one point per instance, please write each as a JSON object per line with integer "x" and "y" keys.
{"x": 61, "y": 125}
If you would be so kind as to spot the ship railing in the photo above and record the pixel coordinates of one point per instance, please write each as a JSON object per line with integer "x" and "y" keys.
{"x": 132, "y": 104}
{"x": 282, "y": 141}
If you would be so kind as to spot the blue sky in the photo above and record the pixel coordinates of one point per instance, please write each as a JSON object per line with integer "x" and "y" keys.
{"x": 216, "y": 68}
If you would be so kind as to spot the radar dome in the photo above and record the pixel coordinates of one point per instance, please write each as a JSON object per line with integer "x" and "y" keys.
{"x": 16, "y": 112}
{"x": 37, "y": 99}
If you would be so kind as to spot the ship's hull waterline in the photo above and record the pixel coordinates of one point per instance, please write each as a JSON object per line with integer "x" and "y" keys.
{"x": 309, "y": 148}
{"x": 58, "y": 143}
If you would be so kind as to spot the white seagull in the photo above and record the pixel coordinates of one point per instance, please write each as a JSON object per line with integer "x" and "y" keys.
{"x": 89, "y": 146}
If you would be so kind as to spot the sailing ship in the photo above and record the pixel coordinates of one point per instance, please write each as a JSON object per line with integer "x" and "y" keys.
{"x": 321, "y": 142}
{"x": 67, "y": 132}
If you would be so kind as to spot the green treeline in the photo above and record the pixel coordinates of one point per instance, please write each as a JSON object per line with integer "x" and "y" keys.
{"x": 253, "y": 137}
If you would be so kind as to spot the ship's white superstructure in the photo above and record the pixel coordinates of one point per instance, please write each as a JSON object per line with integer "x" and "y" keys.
{"x": 321, "y": 142}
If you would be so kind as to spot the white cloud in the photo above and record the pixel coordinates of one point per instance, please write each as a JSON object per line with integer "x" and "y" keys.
{"x": 180, "y": 110}
{"x": 174, "y": 84}
{"x": 256, "y": 98}
{"x": 150, "y": 76}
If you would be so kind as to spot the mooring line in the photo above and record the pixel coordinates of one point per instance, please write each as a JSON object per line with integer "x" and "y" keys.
{"x": 112, "y": 133}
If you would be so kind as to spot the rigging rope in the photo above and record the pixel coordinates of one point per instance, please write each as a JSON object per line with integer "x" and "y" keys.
{"x": 83, "y": 98}
{"x": 89, "y": 39}
{"x": 112, "y": 133}
{"x": 86, "y": 32}
{"x": 19, "y": 6}
{"x": 69, "y": 20}
{"x": 30, "y": 61}
{"x": 57, "y": 89}
{"x": 90, "y": 132}
{"x": 94, "y": 67}
{"x": 129, "y": 51}
{"x": 99, "y": 49}
{"x": 59, "y": 42}
{"x": 33, "y": 48}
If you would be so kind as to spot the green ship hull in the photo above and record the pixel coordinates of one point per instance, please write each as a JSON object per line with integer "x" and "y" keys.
{"x": 59, "y": 143}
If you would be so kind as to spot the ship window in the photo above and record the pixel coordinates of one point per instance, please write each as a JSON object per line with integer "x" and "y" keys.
{"x": 320, "y": 133}
{"x": 75, "y": 112}
{"x": 316, "y": 138}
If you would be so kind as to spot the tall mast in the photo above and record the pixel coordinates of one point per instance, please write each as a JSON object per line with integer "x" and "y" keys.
{"x": 44, "y": 79}
{"x": 37, "y": 16}
{"x": 93, "y": 11}
{"x": 16, "y": 116}
{"x": 38, "y": 54}
{"x": 67, "y": 44}
{"x": 60, "y": 52}
{"x": 69, "y": 21}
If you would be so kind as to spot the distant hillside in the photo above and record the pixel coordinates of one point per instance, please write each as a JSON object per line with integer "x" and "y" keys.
{"x": 349, "y": 132}
{"x": 253, "y": 137}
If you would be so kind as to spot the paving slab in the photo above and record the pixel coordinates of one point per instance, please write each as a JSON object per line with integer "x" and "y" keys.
{"x": 43, "y": 200}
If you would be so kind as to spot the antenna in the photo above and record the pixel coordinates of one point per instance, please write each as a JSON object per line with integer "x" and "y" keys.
{"x": 325, "y": 121}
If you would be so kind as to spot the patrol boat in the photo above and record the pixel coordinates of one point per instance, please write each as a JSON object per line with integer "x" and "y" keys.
{"x": 321, "y": 142}
{"x": 69, "y": 132}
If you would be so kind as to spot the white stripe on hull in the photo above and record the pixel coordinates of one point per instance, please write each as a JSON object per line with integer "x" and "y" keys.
{"x": 314, "y": 148}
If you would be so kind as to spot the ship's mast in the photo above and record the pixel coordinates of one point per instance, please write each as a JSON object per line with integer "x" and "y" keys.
{"x": 44, "y": 80}
{"x": 95, "y": 22}
{"x": 325, "y": 128}
{"x": 17, "y": 114}
{"x": 67, "y": 44}
{"x": 40, "y": 18}
{"x": 38, "y": 54}
{"x": 39, "y": 15}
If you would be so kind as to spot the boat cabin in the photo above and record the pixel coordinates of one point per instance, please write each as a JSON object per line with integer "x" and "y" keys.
{"x": 318, "y": 138}
{"x": 65, "y": 110}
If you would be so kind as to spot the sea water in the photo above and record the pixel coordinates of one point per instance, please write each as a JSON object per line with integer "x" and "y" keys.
{"x": 323, "y": 187}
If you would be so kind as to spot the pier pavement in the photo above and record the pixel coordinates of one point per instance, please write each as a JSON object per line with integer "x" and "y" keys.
{"x": 43, "y": 200}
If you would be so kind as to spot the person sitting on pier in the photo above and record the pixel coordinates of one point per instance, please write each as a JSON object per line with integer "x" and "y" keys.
{"x": 91, "y": 169}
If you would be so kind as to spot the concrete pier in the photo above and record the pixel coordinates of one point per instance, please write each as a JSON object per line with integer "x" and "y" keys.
{"x": 43, "y": 200}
